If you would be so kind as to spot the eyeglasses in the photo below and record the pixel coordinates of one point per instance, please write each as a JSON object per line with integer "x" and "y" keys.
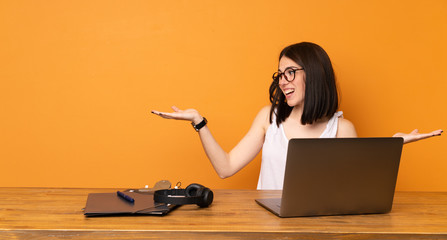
{"x": 288, "y": 74}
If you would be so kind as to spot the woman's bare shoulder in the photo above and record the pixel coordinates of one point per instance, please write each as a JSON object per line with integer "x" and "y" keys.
{"x": 346, "y": 128}
{"x": 265, "y": 110}
{"x": 263, "y": 117}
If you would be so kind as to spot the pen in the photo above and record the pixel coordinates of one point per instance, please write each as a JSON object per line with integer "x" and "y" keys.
{"x": 126, "y": 197}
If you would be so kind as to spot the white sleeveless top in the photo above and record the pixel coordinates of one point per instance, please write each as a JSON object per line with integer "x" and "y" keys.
{"x": 274, "y": 153}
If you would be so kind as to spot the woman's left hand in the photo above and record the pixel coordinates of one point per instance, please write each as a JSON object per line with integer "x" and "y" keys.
{"x": 416, "y": 136}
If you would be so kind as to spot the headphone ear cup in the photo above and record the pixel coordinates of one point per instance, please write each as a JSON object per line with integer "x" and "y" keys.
{"x": 194, "y": 190}
{"x": 207, "y": 198}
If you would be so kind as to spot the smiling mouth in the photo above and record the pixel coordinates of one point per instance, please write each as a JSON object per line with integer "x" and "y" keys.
{"x": 289, "y": 92}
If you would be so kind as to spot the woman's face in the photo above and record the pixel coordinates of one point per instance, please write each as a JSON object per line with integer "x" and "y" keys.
{"x": 293, "y": 90}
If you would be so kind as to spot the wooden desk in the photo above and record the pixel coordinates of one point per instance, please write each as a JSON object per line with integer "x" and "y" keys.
{"x": 45, "y": 213}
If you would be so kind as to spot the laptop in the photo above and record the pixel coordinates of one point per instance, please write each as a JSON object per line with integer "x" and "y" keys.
{"x": 338, "y": 176}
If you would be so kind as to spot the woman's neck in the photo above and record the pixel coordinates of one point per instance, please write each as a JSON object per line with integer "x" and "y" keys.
{"x": 296, "y": 113}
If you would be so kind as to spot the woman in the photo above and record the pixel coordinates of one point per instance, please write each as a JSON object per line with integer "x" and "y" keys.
{"x": 304, "y": 101}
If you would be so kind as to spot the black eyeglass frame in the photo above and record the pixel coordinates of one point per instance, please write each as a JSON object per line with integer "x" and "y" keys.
{"x": 277, "y": 75}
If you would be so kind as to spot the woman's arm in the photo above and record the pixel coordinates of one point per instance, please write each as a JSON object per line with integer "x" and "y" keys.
{"x": 226, "y": 164}
{"x": 347, "y": 129}
{"x": 416, "y": 136}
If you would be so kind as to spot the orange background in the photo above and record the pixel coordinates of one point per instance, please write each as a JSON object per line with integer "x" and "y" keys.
{"x": 78, "y": 79}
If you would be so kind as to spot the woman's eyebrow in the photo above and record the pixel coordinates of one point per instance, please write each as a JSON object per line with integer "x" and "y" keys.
{"x": 289, "y": 67}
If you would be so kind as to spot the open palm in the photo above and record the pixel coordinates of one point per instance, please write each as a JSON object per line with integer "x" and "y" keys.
{"x": 416, "y": 136}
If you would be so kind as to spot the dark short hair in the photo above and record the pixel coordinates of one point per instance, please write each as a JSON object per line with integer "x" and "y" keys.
{"x": 320, "y": 94}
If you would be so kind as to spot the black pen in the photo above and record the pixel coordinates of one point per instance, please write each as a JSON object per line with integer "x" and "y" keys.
{"x": 126, "y": 197}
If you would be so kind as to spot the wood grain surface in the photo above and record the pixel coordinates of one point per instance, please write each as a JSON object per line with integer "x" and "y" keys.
{"x": 47, "y": 213}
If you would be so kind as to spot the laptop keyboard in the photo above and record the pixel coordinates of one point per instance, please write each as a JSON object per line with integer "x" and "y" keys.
{"x": 278, "y": 202}
{"x": 274, "y": 202}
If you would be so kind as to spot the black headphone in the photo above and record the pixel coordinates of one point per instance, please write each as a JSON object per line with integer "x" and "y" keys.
{"x": 193, "y": 194}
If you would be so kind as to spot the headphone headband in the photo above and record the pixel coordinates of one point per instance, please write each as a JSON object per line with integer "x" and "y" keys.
{"x": 193, "y": 194}
{"x": 175, "y": 197}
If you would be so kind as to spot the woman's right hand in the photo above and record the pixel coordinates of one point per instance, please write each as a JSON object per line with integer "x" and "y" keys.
{"x": 188, "y": 115}
{"x": 226, "y": 163}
